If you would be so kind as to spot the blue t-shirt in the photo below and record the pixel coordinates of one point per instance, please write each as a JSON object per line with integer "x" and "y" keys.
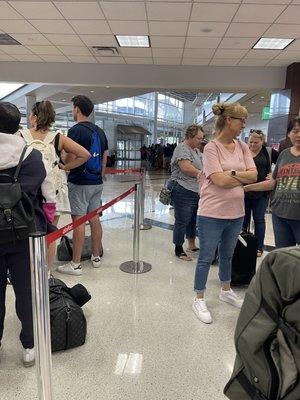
{"x": 81, "y": 133}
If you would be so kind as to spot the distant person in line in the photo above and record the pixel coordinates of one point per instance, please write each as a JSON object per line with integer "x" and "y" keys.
{"x": 186, "y": 171}
{"x": 16, "y": 256}
{"x": 256, "y": 202}
{"x": 227, "y": 166}
{"x": 86, "y": 183}
{"x": 285, "y": 200}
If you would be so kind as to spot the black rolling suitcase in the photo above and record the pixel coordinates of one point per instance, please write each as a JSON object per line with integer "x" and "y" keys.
{"x": 244, "y": 259}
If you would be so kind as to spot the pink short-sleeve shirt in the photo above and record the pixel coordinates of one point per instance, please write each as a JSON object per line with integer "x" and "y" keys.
{"x": 217, "y": 202}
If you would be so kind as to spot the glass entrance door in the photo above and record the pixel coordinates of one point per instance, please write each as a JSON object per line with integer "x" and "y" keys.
{"x": 129, "y": 149}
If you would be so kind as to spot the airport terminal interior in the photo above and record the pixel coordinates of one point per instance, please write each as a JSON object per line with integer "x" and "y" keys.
{"x": 151, "y": 68}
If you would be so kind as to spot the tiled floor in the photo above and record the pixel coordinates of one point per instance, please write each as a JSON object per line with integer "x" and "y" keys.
{"x": 144, "y": 342}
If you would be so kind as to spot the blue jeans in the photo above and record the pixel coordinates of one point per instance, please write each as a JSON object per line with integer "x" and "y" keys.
{"x": 258, "y": 208}
{"x": 185, "y": 203}
{"x": 286, "y": 231}
{"x": 214, "y": 232}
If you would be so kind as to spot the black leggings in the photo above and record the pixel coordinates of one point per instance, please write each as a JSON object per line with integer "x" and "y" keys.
{"x": 15, "y": 257}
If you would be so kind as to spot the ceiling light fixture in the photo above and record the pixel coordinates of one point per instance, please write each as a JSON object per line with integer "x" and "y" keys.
{"x": 133, "y": 41}
{"x": 91, "y": 91}
{"x": 272, "y": 43}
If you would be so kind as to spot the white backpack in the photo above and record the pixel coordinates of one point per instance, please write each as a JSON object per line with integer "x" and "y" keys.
{"x": 50, "y": 158}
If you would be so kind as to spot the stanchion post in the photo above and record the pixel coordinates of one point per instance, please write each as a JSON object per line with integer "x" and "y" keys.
{"x": 136, "y": 266}
{"x": 41, "y": 315}
{"x": 143, "y": 224}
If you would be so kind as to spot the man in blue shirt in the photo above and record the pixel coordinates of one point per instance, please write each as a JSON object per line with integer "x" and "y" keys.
{"x": 86, "y": 183}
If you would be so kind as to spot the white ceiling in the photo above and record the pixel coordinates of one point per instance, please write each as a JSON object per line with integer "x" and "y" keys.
{"x": 182, "y": 32}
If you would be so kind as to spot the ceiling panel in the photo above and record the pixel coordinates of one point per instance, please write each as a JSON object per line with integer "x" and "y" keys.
{"x": 207, "y": 28}
{"x": 7, "y": 12}
{"x": 31, "y": 39}
{"x": 99, "y": 40}
{"x": 41, "y": 50}
{"x": 6, "y": 57}
{"x": 226, "y": 53}
{"x": 237, "y": 29}
{"x": 135, "y": 52}
{"x": 253, "y": 63}
{"x": 198, "y": 53}
{"x": 294, "y": 46}
{"x": 28, "y": 57}
{"x": 15, "y": 49}
{"x": 63, "y": 40}
{"x": 138, "y": 60}
{"x": 195, "y": 61}
{"x": 175, "y": 42}
{"x": 129, "y": 27}
{"x": 167, "y": 61}
{"x": 17, "y": 26}
{"x": 36, "y": 9}
{"x": 168, "y": 28}
{"x": 237, "y": 43}
{"x": 278, "y": 63}
{"x": 54, "y": 58}
{"x": 92, "y": 27}
{"x": 52, "y": 26}
{"x": 292, "y": 56}
{"x": 170, "y": 53}
{"x": 111, "y": 60}
{"x": 290, "y": 15}
{"x": 258, "y": 13}
{"x": 82, "y": 59}
{"x": 116, "y": 10}
{"x": 283, "y": 31}
{"x": 80, "y": 10}
{"x": 166, "y": 11}
{"x": 75, "y": 50}
{"x": 218, "y": 62}
{"x": 262, "y": 54}
{"x": 197, "y": 42}
{"x": 213, "y": 12}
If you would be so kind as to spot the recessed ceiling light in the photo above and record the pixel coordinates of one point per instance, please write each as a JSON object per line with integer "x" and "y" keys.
{"x": 272, "y": 43}
{"x": 92, "y": 91}
{"x": 64, "y": 99}
{"x": 107, "y": 87}
{"x": 133, "y": 41}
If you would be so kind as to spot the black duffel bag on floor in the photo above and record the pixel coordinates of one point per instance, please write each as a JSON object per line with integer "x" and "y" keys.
{"x": 68, "y": 323}
{"x": 65, "y": 249}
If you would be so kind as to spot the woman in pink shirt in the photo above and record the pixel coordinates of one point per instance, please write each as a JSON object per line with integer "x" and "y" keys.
{"x": 227, "y": 166}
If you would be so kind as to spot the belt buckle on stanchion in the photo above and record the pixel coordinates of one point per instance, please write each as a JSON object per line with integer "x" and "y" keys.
{"x": 136, "y": 266}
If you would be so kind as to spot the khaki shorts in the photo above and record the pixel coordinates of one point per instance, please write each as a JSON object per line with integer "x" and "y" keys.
{"x": 84, "y": 198}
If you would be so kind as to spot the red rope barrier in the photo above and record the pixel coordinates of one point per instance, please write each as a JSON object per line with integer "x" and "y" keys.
{"x": 52, "y": 237}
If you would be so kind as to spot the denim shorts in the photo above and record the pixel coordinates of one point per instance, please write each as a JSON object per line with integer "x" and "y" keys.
{"x": 84, "y": 198}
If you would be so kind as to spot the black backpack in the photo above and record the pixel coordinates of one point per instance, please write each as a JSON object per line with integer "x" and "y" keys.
{"x": 68, "y": 323}
{"x": 16, "y": 208}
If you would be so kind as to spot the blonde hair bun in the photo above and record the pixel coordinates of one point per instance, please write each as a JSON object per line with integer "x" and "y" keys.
{"x": 218, "y": 108}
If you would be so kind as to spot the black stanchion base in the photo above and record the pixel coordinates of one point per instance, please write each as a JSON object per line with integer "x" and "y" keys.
{"x": 145, "y": 227}
{"x": 132, "y": 267}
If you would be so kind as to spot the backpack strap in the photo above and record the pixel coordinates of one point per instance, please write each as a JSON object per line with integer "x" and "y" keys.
{"x": 56, "y": 145}
{"x": 252, "y": 392}
{"x": 16, "y": 174}
{"x": 287, "y": 329}
{"x": 26, "y": 135}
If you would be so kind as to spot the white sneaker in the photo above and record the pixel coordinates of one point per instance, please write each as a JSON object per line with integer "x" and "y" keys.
{"x": 70, "y": 269}
{"x": 28, "y": 357}
{"x": 200, "y": 309}
{"x": 96, "y": 261}
{"x": 230, "y": 297}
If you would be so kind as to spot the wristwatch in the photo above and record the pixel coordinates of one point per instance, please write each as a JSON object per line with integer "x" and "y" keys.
{"x": 233, "y": 173}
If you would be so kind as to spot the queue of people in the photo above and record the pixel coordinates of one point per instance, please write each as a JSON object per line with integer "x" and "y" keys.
{"x": 56, "y": 174}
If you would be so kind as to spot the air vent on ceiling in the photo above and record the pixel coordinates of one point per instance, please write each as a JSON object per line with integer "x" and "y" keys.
{"x": 105, "y": 51}
{"x": 5, "y": 39}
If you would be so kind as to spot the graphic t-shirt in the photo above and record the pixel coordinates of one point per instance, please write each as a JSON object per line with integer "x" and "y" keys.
{"x": 82, "y": 133}
{"x": 286, "y": 196}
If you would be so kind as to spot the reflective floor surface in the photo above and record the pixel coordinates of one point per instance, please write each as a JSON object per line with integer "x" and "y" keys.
{"x": 143, "y": 342}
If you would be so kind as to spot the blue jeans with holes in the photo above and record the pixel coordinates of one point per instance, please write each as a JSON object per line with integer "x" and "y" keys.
{"x": 286, "y": 231}
{"x": 185, "y": 203}
{"x": 214, "y": 232}
{"x": 258, "y": 208}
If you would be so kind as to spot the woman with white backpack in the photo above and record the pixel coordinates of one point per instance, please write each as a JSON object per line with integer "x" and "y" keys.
{"x": 52, "y": 144}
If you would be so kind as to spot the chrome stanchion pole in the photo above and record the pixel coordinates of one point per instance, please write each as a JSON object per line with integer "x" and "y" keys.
{"x": 143, "y": 225}
{"x": 41, "y": 315}
{"x": 136, "y": 266}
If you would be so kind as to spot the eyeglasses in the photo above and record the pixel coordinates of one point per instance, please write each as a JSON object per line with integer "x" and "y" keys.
{"x": 243, "y": 120}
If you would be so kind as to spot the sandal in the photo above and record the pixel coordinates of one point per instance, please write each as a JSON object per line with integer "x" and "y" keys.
{"x": 193, "y": 250}
{"x": 184, "y": 257}
{"x": 259, "y": 253}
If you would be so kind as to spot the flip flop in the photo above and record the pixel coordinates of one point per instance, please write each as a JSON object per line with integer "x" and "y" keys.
{"x": 184, "y": 257}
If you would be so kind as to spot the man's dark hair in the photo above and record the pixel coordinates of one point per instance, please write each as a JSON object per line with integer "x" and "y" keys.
{"x": 84, "y": 104}
{"x": 10, "y": 117}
